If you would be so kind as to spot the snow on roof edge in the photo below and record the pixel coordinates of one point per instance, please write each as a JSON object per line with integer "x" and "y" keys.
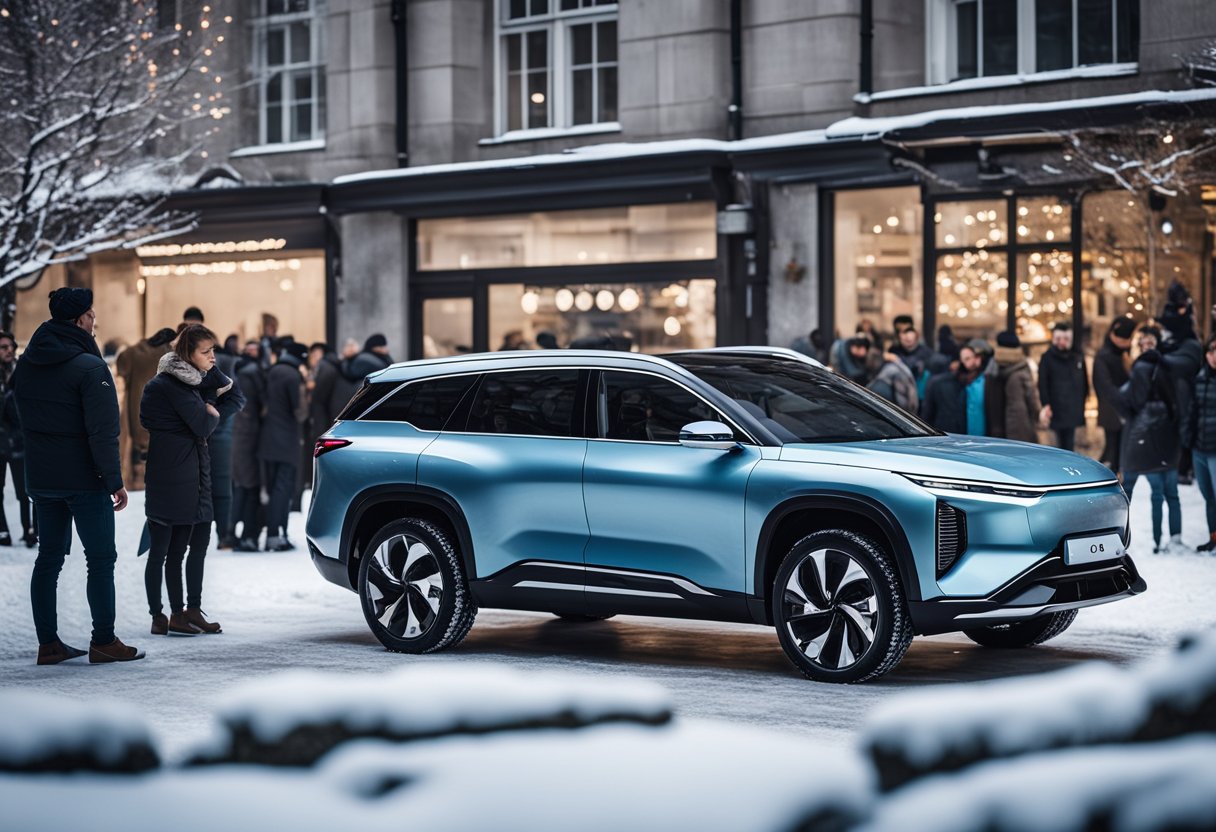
{"x": 852, "y": 128}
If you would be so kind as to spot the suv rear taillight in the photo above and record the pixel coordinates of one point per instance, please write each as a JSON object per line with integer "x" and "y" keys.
{"x": 326, "y": 444}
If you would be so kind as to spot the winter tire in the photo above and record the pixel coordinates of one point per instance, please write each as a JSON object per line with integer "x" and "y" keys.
{"x": 413, "y": 588}
{"x": 1023, "y": 633}
{"x": 839, "y": 608}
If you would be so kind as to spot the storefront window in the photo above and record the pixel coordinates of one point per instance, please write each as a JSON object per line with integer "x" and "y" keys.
{"x": 642, "y": 317}
{"x": 628, "y": 234}
{"x": 978, "y": 241}
{"x": 447, "y": 326}
{"x": 972, "y": 292}
{"x": 878, "y": 248}
{"x": 1044, "y": 293}
{"x": 1132, "y": 253}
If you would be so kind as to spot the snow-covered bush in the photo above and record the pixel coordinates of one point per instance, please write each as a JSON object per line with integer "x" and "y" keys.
{"x": 952, "y": 727}
{"x": 1144, "y": 787}
{"x": 295, "y": 718}
{"x": 42, "y": 732}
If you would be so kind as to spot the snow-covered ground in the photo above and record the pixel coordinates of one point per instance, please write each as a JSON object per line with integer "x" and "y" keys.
{"x": 278, "y": 614}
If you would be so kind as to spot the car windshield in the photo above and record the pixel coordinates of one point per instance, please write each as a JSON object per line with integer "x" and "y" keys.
{"x": 802, "y": 403}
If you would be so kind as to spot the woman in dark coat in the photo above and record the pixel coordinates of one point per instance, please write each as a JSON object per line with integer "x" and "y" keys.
{"x": 179, "y": 419}
{"x": 1151, "y": 445}
{"x": 1199, "y": 433}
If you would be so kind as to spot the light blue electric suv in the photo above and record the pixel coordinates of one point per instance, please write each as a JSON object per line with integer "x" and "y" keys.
{"x": 737, "y": 484}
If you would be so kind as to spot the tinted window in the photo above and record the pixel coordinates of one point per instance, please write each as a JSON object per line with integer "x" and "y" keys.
{"x": 424, "y": 404}
{"x": 646, "y": 408}
{"x": 801, "y": 403}
{"x": 365, "y": 397}
{"x": 527, "y": 403}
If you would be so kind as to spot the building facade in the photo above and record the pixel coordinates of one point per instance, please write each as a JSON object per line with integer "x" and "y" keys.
{"x": 464, "y": 174}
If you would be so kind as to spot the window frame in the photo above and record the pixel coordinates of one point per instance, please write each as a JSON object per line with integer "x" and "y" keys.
{"x": 941, "y": 42}
{"x": 315, "y": 66}
{"x": 560, "y": 89}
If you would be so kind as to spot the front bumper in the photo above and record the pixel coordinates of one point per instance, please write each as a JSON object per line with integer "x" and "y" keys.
{"x": 1049, "y": 586}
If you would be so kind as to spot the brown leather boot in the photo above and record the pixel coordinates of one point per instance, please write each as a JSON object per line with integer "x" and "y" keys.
{"x": 57, "y": 652}
{"x": 180, "y": 625}
{"x": 115, "y": 651}
{"x": 198, "y": 618}
{"x": 160, "y": 624}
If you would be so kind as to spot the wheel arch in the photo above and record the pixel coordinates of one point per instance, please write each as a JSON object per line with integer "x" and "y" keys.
{"x": 805, "y": 514}
{"x": 379, "y": 505}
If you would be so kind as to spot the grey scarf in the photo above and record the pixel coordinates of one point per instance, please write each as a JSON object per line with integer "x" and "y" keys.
{"x": 174, "y": 365}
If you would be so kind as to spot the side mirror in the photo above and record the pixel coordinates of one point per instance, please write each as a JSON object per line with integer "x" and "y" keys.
{"x": 713, "y": 436}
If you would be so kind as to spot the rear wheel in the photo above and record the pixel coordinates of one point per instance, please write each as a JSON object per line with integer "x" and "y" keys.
{"x": 839, "y": 608}
{"x": 413, "y": 589}
{"x": 1023, "y": 633}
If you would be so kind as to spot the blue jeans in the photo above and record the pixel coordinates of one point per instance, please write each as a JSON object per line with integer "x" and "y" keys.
{"x": 1165, "y": 489}
{"x": 93, "y": 512}
{"x": 1205, "y": 478}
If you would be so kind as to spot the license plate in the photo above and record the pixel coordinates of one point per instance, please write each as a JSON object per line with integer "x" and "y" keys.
{"x": 1091, "y": 549}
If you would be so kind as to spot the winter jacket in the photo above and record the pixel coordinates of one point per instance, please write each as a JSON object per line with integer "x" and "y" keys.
{"x": 896, "y": 383}
{"x": 1200, "y": 430}
{"x": 1110, "y": 373}
{"x": 322, "y": 409}
{"x": 945, "y": 405}
{"x": 1064, "y": 386}
{"x": 1148, "y": 403}
{"x": 12, "y": 445}
{"x": 351, "y": 375}
{"x": 136, "y": 366}
{"x": 283, "y": 412}
{"x": 247, "y": 424}
{"x": 69, "y": 412}
{"x": 174, "y": 412}
{"x": 1183, "y": 358}
{"x": 844, "y": 363}
{"x": 1021, "y": 397}
{"x": 917, "y": 360}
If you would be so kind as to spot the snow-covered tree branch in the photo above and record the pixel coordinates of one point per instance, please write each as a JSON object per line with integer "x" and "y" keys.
{"x": 103, "y": 103}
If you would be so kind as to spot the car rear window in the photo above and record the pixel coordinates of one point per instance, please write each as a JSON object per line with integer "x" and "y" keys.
{"x": 425, "y": 404}
{"x": 525, "y": 403}
{"x": 365, "y": 397}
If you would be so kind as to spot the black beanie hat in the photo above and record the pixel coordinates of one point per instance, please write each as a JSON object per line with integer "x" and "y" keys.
{"x": 296, "y": 350}
{"x": 1123, "y": 327}
{"x": 374, "y": 341}
{"x": 1008, "y": 339}
{"x": 69, "y": 303}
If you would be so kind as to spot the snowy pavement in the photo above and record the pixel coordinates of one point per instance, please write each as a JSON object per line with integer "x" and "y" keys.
{"x": 279, "y": 614}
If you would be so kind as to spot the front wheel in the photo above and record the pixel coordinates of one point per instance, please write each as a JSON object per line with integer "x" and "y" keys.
{"x": 1023, "y": 633}
{"x": 413, "y": 589}
{"x": 839, "y": 608}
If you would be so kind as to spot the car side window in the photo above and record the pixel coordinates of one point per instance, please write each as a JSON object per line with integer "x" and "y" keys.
{"x": 425, "y": 404}
{"x": 525, "y": 403}
{"x": 645, "y": 408}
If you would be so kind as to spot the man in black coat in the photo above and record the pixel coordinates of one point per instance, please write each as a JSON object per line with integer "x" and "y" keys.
{"x": 1183, "y": 355}
{"x": 373, "y": 357}
{"x": 68, "y": 407}
{"x": 1063, "y": 387}
{"x": 1110, "y": 373}
{"x": 246, "y": 431}
{"x": 279, "y": 441}
{"x": 12, "y": 446}
{"x": 323, "y": 372}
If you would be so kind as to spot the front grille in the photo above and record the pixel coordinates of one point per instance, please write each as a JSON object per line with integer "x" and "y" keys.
{"x": 951, "y": 536}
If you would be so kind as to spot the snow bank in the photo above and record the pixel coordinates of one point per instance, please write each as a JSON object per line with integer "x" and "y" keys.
{"x": 701, "y": 776}
{"x": 295, "y": 718}
{"x": 42, "y": 732}
{"x": 952, "y": 727}
{"x": 1131, "y": 788}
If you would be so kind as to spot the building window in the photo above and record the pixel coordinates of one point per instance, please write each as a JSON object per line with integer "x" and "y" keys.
{"x": 985, "y": 38}
{"x": 627, "y": 234}
{"x": 878, "y": 253}
{"x": 291, "y": 64}
{"x": 558, "y": 63}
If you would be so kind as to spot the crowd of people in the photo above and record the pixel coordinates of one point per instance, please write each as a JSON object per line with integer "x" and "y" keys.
{"x": 1156, "y": 408}
{"x": 221, "y": 434}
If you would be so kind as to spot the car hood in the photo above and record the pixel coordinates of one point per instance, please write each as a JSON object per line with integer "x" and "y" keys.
{"x": 977, "y": 458}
